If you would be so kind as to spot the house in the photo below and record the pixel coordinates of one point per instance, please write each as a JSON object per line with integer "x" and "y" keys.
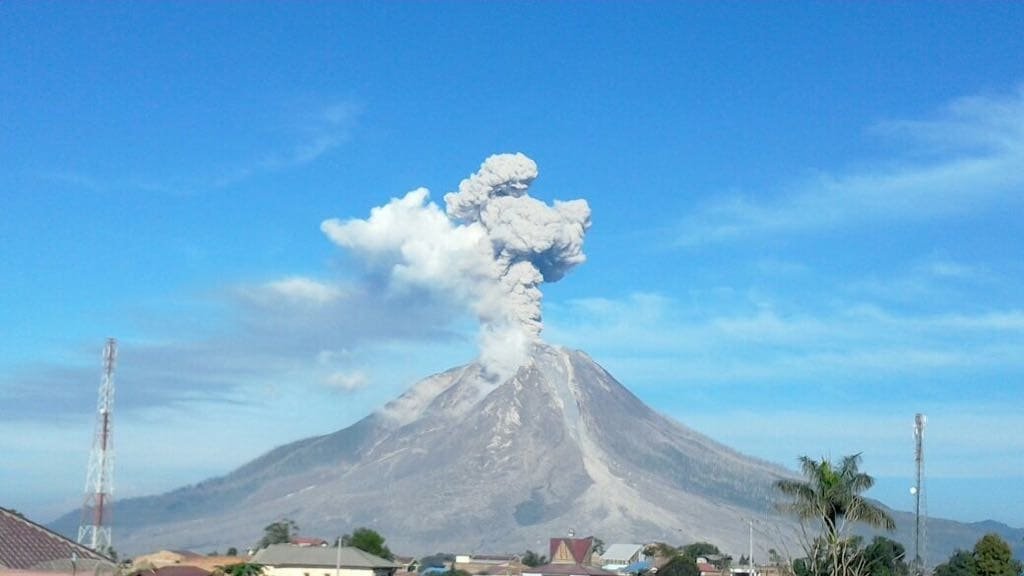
{"x": 25, "y": 545}
{"x": 569, "y": 557}
{"x": 619, "y": 557}
{"x": 489, "y": 564}
{"x": 706, "y": 568}
{"x": 289, "y": 560}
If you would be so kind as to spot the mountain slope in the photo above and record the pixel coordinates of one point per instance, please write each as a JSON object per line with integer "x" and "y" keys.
{"x": 459, "y": 463}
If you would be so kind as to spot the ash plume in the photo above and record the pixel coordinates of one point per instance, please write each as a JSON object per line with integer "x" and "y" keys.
{"x": 489, "y": 251}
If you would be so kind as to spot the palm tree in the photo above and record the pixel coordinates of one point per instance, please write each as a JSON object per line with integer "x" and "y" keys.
{"x": 832, "y": 495}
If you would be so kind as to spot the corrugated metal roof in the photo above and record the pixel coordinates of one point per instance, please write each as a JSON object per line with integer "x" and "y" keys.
{"x": 621, "y": 553}
{"x": 289, "y": 555}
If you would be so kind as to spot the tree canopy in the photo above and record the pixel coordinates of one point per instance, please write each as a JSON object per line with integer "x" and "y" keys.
{"x": 680, "y": 565}
{"x": 369, "y": 541}
{"x": 701, "y": 549}
{"x": 831, "y": 498}
{"x": 832, "y": 495}
{"x": 991, "y": 557}
{"x": 885, "y": 557}
{"x": 532, "y": 559}
{"x": 279, "y": 532}
{"x": 240, "y": 569}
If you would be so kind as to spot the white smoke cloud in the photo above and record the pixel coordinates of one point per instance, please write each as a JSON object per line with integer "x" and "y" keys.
{"x": 489, "y": 251}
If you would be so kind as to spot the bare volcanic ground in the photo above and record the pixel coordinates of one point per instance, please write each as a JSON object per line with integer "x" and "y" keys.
{"x": 461, "y": 464}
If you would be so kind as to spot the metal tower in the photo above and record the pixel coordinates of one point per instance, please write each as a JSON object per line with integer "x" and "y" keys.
{"x": 94, "y": 530}
{"x": 920, "y": 502}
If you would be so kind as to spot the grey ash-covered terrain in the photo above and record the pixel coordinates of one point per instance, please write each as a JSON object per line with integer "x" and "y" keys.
{"x": 461, "y": 464}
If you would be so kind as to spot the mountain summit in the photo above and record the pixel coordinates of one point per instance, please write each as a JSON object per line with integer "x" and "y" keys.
{"x": 461, "y": 463}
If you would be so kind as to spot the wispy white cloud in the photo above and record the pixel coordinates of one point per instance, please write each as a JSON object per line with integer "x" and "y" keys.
{"x": 667, "y": 340}
{"x": 346, "y": 381}
{"x": 319, "y": 133}
{"x": 978, "y": 146}
{"x": 298, "y": 289}
{"x": 302, "y": 140}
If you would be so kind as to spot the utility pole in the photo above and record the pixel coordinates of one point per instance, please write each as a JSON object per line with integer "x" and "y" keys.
{"x": 94, "y": 530}
{"x": 750, "y": 558}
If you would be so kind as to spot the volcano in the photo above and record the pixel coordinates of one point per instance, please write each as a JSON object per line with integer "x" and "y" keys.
{"x": 461, "y": 463}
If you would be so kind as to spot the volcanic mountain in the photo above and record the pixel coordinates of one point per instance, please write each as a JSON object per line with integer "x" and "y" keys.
{"x": 460, "y": 463}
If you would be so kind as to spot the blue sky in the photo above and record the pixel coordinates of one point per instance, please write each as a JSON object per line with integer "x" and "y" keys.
{"x": 806, "y": 223}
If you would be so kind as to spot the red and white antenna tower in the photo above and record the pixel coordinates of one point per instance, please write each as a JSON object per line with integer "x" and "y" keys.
{"x": 94, "y": 531}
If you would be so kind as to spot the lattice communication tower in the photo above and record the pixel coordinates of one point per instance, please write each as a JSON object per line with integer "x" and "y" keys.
{"x": 94, "y": 530}
{"x": 920, "y": 502}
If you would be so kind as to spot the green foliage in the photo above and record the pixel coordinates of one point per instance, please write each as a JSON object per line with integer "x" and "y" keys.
{"x": 232, "y": 551}
{"x": 992, "y": 557}
{"x": 279, "y": 532}
{"x": 661, "y": 549}
{"x": 961, "y": 563}
{"x": 532, "y": 559}
{"x": 240, "y": 569}
{"x": 885, "y": 557}
{"x": 680, "y": 565}
{"x": 438, "y": 560}
{"x": 700, "y": 549}
{"x": 598, "y": 546}
{"x": 369, "y": 541}
{"x": 831, "y": 497}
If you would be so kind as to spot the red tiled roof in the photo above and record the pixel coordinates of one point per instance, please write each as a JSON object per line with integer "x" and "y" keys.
{"x": 24, "y": 544}
{"x": 578, "y": 547}
{"x": 567, "y": 570}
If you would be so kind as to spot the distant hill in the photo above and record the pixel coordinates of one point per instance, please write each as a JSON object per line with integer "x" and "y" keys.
{"x": 458, "y": 463}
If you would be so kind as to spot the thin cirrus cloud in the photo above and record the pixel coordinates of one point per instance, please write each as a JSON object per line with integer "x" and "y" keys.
{"x": 319, "y": 133}
{"x": 766, "y": 343}
{"x": 966, "y": 160}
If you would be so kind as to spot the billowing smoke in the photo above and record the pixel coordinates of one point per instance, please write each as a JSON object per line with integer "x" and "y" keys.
{"x": 489, "y": 251}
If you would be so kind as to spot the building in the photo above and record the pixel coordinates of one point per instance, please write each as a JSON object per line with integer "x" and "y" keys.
{"x": 619, "y": 557}
{"x": 569, "y": 557}
{"x": 25, "y": 545}
{"x": 290, "y": 560}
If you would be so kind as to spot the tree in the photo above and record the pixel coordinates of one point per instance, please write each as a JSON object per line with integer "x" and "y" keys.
{"x": 961, "y": 563}
{"x": 279, "y": 532}
{"x": 680, "y": 565}
{"x": 232, "y": 551}
{"x": 240, "y": 569}
{"x": 701, "y": 550}
{"x": 885, "y": 557}
{"x": 992, "y": 557}
{"x": 369, "y": 541}
{"x": 598, "y": 546}
{"x": 831, "y": 497}
{"x": 438, "y": 560}
{"x": 661, "y": 549}
{"x": 532, "y": 559}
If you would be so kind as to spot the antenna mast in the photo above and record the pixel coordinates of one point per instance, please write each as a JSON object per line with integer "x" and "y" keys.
{"x": 920, "y": 502}
{"x": 94, "y": 530}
